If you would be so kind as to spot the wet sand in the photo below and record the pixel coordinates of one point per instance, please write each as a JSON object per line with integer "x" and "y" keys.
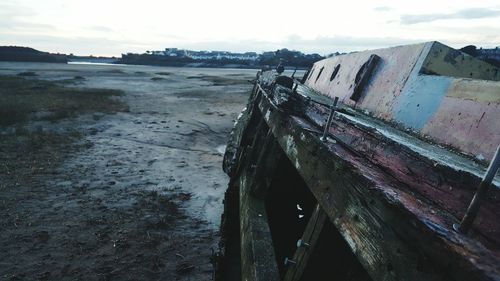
{"x": 133, "y": 195}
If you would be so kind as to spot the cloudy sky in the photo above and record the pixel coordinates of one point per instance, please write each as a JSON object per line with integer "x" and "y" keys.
{"x": 112, "y": 27}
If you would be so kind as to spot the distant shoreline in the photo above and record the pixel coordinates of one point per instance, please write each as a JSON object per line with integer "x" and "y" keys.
{"x": 83, "y": 63}
{"x": 207, "y": 65}
{"x": 190, "y": 65}
{"x": 91, "y": 63}
{"x": 227, "y": 60}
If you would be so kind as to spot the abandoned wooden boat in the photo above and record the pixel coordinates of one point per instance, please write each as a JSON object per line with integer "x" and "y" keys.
{"x": 364, "y": 170}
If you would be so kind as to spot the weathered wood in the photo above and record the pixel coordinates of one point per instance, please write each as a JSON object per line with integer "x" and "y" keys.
{"x": 394, "y": 235}
{"x": 441, "y": 182}
{"x": 242, "y": 134}
{"x": 311, "y": 235}
{"x": 228, "y": 262}
{"x": 257, "y": 253}
{"x": 256, "y": 248}
{"x": 382, "y": 197}
{"x": 258, "y": 262}
{"x": 448, "y": 188}
{"x": 265, "y": 165}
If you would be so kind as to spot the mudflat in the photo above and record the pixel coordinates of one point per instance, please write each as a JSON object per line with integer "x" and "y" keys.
{"x": 113, "y": 172}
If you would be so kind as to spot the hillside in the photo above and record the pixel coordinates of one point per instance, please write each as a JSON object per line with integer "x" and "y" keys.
{"x": 25, "y": 54}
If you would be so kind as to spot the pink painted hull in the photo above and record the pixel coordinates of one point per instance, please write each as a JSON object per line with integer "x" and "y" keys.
{"x": 431, "y": 89}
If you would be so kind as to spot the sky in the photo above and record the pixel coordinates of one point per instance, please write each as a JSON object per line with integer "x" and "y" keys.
{"x": 112, "y": 27}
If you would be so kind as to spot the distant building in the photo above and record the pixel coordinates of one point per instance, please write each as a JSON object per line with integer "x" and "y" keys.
{"x": 174, "y": 52}
{"x": 218, "y": 55}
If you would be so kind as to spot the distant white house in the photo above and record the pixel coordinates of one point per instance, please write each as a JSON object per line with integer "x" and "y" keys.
{"x": 206, "y": 55}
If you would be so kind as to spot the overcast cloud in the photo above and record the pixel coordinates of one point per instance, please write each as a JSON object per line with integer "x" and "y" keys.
{"x": 473, "y": 13}
{"x": 113, "y": 27}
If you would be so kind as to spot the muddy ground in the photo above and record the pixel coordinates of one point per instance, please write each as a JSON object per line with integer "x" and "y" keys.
{"x": 133, "y": 193}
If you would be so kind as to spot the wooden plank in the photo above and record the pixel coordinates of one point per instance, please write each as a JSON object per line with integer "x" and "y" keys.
{"x": 265, "y": 165}
{"x": 258, "y": 262}
{"x": 242, "y": 135}
{"x": 424, "y": 173}
{"x": 394, "y": 235}
{"x": 228, "y": 262}
{"x": 311, "y": 236}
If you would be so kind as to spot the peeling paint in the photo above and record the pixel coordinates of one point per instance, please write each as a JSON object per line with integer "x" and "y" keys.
{"x": 420, "y": 100}
{"x": 266, "y": 117}
{"x": 435, "y": 153}
{"x": 421, "y": 87}
{"x": 291, "y": 149}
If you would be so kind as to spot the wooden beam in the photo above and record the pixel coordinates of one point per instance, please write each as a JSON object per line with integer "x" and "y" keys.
{"x": 265, "y": 165}
{"x": 251, "y": 133}
{"x": 309, "y": 241}
{"x": 394, "y": 235}
{"x": 257, "y": 251}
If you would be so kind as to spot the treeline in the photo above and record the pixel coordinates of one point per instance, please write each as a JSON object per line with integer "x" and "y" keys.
{"x": 25, "y": 54}
{"x": 150, "y": 59}
{"x": 287, "y": 57}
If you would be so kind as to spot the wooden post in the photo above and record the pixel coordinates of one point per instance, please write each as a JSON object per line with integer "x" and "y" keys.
{"x": 306, "y": 245}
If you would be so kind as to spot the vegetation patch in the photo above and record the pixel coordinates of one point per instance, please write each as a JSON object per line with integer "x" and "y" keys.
{"x": 115, "y": 71}
{"x": 22, "y": 98}
{"x": 163, "y": 73}
{"x": 27, "y": 74}
{"x": 29, "y": 153}
{"x": 197, "y": 94}
{"x": 157, "y": 78}
{"x": 72, "y": 81}
{"x": 221, "y": 80}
